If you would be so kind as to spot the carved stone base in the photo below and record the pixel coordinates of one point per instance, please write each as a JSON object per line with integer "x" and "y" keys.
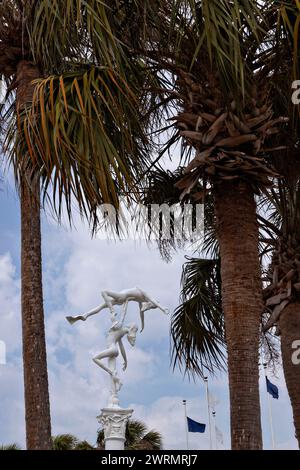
{"x": 114, "y": 422}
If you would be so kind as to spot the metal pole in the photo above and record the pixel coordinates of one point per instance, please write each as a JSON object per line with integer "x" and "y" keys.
{"x": 186, "y": 425}
{"x": 215, "y": 428}
{"x": 270, "y": 411}
{"x": 208, "y": 410}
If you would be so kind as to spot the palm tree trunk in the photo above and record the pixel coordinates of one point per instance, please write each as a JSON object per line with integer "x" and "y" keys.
{"x": 289, "y": 324}
{"x": 237, "y": 231}
{"x": 37, "y": 408}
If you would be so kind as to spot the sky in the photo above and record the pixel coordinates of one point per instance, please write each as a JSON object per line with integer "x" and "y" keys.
{"x": 76, "y": 269}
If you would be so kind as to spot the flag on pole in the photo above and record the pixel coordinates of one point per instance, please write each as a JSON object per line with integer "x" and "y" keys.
{"x": 272, "y": 389}
{"x": 194, "y": 426}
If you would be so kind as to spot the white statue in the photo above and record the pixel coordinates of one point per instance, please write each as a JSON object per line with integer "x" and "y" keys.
{"x": 114, "y": 343}
{"x": 117, "y": 331}
{"x": 112, "y": 298}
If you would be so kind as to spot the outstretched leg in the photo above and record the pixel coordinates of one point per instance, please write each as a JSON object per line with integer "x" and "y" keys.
{"x": 85, "y": 316}
{"x": 144, "y": 306}
{"x": 116, "y": 382}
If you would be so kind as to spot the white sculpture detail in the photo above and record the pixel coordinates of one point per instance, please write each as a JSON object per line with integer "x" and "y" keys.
{"x": 112, "y": 298}
{"x": 117, "y": 331}
{"x": 114, "y": 343}
{"x": 114, "y": 424}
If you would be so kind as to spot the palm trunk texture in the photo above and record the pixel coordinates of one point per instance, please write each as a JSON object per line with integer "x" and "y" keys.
{"x": 242, "y": 305}
{"x": 37, "y": 407}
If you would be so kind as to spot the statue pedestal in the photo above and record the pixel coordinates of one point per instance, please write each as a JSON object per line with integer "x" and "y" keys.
{"x": 114, "y": 422}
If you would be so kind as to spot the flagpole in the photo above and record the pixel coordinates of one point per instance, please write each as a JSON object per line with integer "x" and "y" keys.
{"x": 186, "y": 425}
{"x": 270, "y": 411}
{"x": 215, "y": 428}
{"x": 208, "y": 410}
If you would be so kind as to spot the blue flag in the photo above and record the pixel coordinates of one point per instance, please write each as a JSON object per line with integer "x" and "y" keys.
{"x": 272, "y": 389}
{"x": 193, "y": 426}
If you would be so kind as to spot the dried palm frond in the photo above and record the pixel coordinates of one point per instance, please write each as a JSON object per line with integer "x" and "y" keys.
{"x": 230, "y": 145}
{"x": 283, "y": 274}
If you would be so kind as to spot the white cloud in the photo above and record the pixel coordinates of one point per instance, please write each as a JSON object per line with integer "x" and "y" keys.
{"x": 76, "y": 269}
{"x": 12, "y": 404}
{"x": 10, "y": 328}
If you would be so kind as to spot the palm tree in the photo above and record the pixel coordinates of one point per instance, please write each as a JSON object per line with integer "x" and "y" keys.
{"x": 136, "y": 437}
{"x": 282, "y": 280}
{"x": 230, "y": 162}
{"x": 219, "y": 58}
{"x": 197, "y": 324}
{"x": 282, "y": 291}
{"x": 69, "y": 442}
{"x": 75, "y": 133}
{"x": 208, "y": 57}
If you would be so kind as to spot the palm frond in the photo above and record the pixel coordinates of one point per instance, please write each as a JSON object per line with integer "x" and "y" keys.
{"x": 151, "y": 441}
{"x": 64, "y": 442}
{"x": 135, "y": 432}
{"x": 289, "y": 13}
{"x": 63, "y": 31}
{"x": 83, "y": 133}
{"x": 197, "y": 328}
{"x": 282, "y": 276}
{"x": 83, "y": 445}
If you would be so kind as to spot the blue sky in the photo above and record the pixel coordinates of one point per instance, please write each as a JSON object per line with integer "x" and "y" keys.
{"x": 75, "y": 270}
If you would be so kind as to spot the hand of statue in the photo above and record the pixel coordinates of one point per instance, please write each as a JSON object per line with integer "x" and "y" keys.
{"x": 124, "y": 366}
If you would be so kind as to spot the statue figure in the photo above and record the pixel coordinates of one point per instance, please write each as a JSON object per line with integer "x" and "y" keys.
{"x": 114, "y": 344}
{"x": 112, "y": 298}
{"x": 117, "y": 331}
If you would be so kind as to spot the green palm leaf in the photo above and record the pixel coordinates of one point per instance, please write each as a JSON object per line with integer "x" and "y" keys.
{"x": 198, "y": 324}
{"x": 150, "y": 441}
{"x": 64, "y": 442}
{"x": 83, "y": 445}
{"x": 83, "y": 134}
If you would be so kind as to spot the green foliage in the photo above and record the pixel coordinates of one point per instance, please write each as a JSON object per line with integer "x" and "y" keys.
{"x": 76, "y": 133}
{"x": 85, "y": 133}
{"x": 83, "y": 445}
{"x": 198, "y": 323}
{"x": 69, "y": 442}
{"x": 64, "y": 442}
{"x": 10, "y": 447}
